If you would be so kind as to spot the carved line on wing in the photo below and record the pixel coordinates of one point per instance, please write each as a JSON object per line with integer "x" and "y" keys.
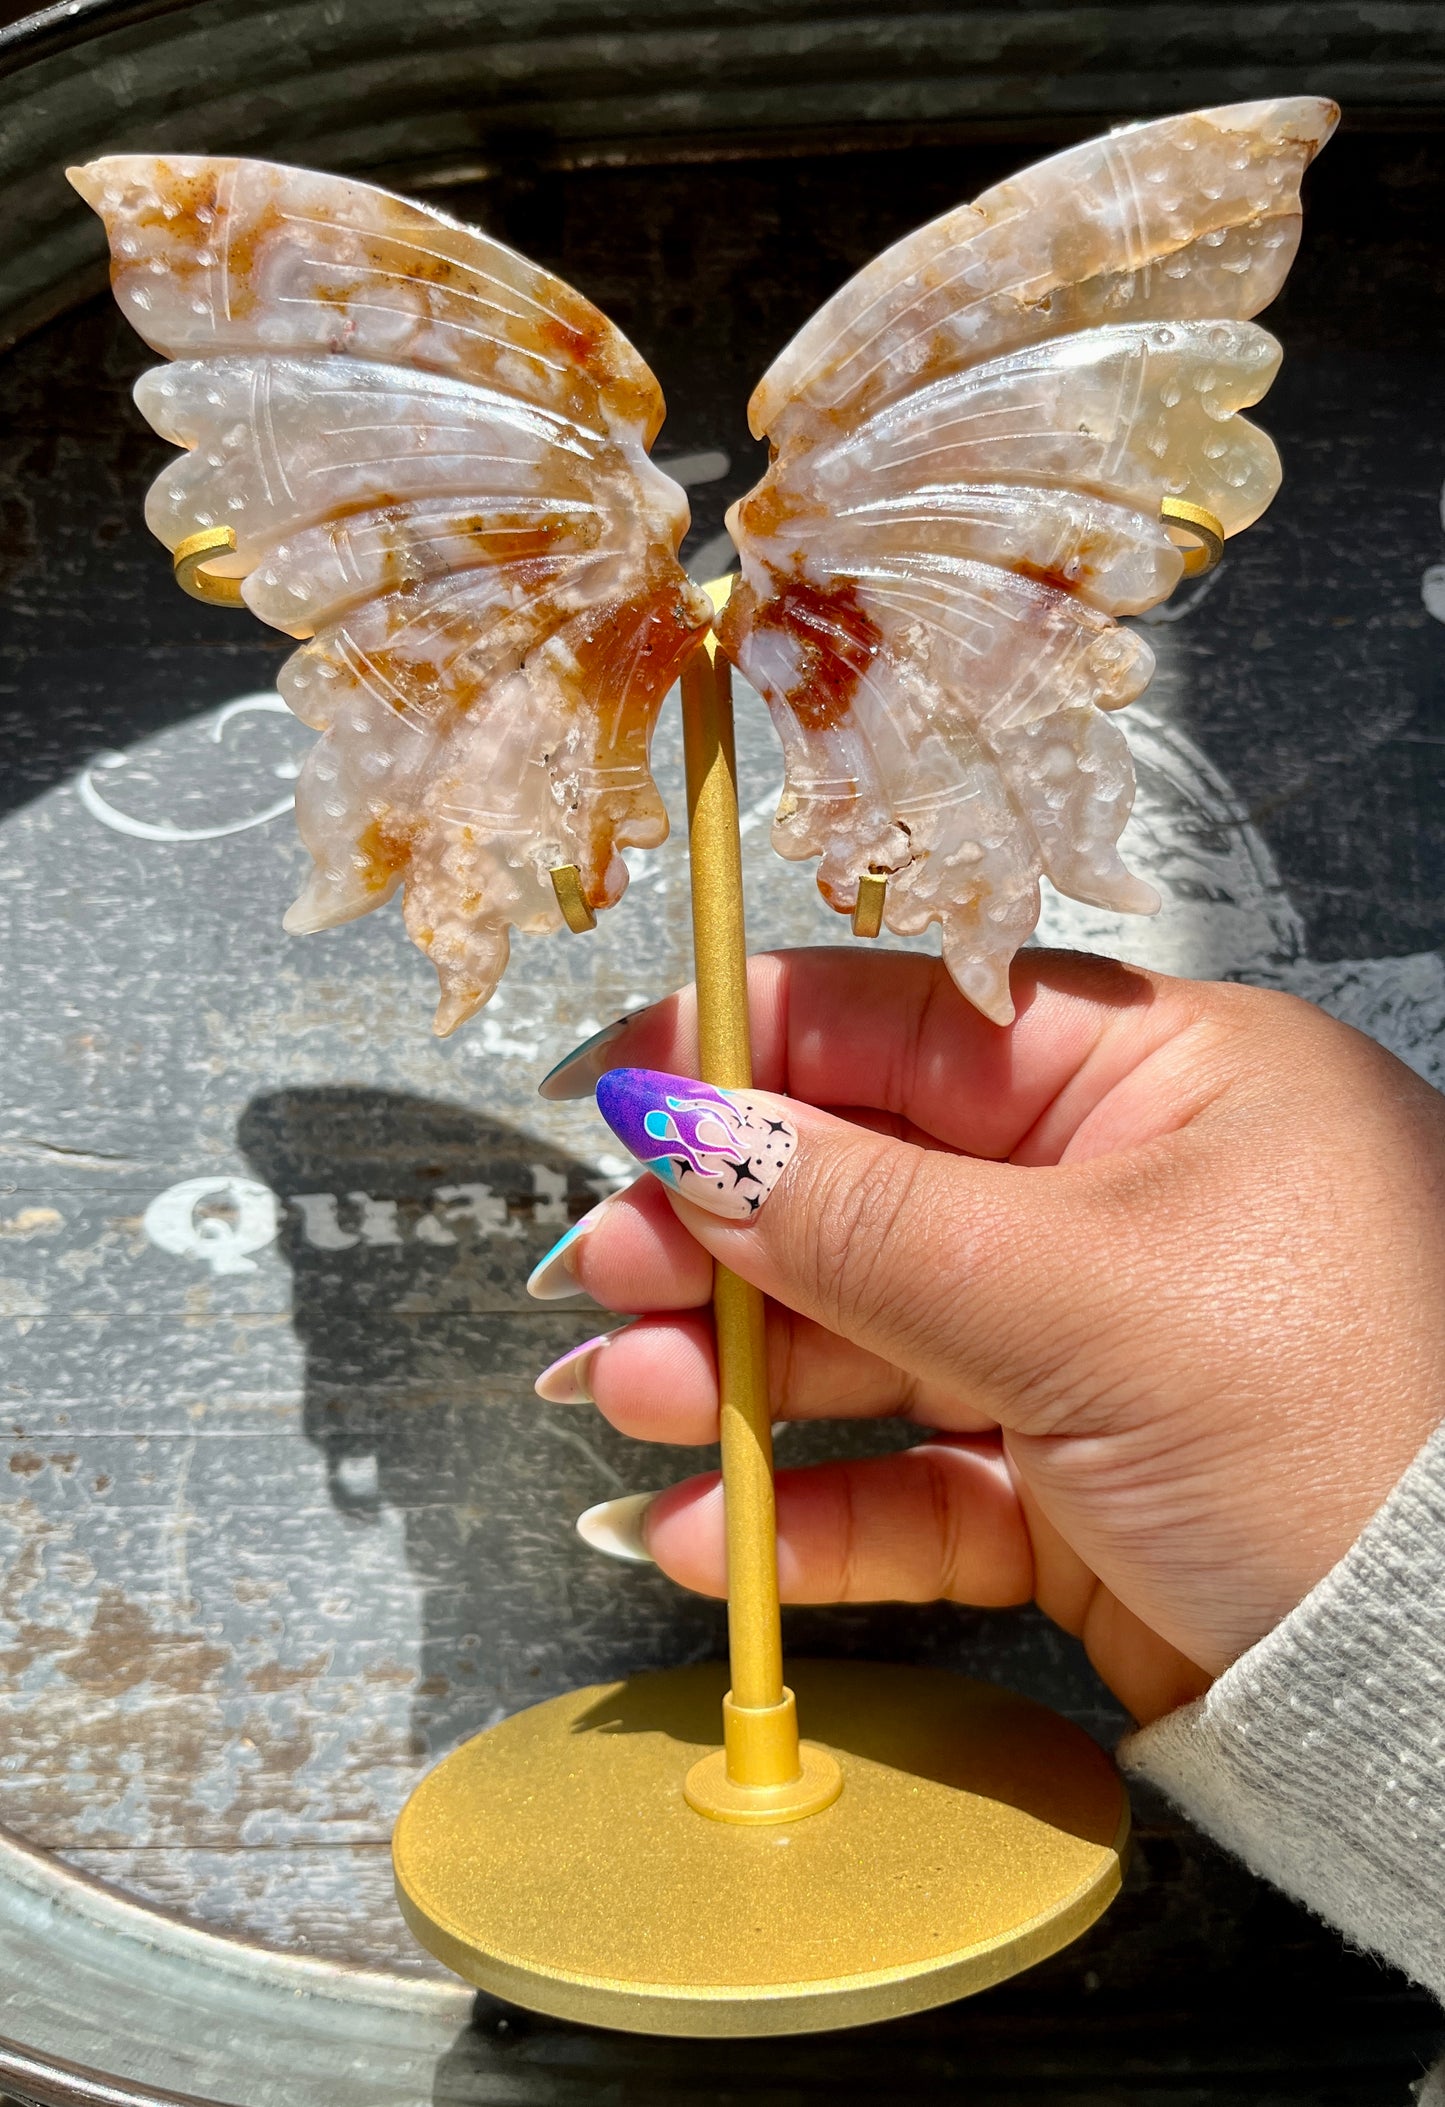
{"x": 1115, "y": 557}
{"x": 480, "y": 336}
{"x": 915, "y": 604}
{"x": 225, "y": 199}
{"x": 545, "y": 508}
{"x": 264, "y": 424}
{"x": 875, "y": 687}
{"x": 1024, "y": 288}
{"x": 1058, "y": 656}
{"x": 352, "y": 379}
{"x": 1031, "y": 435}
{"x": 368, "y": 675}
{"x": 461, "y": 611}
{"x": 343, "y": 547}
{"x": 420, "y": 534}
{"x": 440, "y": 453}
{"x": 197, "y": 469}
{"x": 624, "y": 690}
{"x": 517, "y": 411}
{"x": 1132, "y": 376}
{"x": 961, "y": 792}
{"x": 938, "y": 504}
{"x": 1116, "y": 166}
{"x": 977, "y": 419}
{"x": 513, "y": 298}
{"x": 866, "y": 682}
{"x": 371, "y": 275}
{"x": 1057, "y": 667}
{"x": 983, "y": 728}
{"x": 1083, "y": 479}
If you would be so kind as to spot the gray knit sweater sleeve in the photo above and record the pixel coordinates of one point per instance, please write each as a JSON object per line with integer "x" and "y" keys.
{"x": 1319, "y": 1757}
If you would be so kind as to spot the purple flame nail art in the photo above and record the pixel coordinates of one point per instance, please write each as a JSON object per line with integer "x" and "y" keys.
{"x": 724, "y": 1149}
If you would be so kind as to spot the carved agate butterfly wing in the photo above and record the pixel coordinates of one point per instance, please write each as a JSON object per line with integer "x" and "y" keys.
{"x": 433, "y": 457}
{"x": 972, "y": 442}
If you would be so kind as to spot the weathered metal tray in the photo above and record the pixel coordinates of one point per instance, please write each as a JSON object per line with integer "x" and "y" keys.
{"x": 281, "y": 1519}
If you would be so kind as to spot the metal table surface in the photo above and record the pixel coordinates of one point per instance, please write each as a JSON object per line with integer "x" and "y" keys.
{"x": 281, "y": 1519}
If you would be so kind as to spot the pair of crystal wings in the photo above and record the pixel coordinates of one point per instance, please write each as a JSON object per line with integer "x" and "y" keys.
{"x": 432, "y": 460}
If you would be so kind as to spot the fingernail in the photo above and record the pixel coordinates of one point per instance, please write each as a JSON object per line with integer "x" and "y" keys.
{"x": 576, "y": 1073}
{"x": 569, "y": 1380}
{"x": 723, "y": 1149}
{"x": 614, "y": 1527}
{"x": 552, "y": 1278}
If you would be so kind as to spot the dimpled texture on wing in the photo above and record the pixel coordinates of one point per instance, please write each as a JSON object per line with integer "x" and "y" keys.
{"x": 433, "y": 456}
{"x": 971, "y": 445}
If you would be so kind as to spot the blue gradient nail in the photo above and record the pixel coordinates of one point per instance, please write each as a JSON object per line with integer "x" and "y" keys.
{"x": 575, "y": 1075}
{"x": 723, "y": 1149}
{"x": 552, "y": 1279}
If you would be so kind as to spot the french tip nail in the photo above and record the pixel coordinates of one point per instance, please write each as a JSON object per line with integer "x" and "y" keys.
{"x": 615, "y": 1528}
{"x": 575, "y": 1075}
{"x": 556, "y": 1389}
{"x": 552, "y": 1279}
{"x": 568, "y": 1380}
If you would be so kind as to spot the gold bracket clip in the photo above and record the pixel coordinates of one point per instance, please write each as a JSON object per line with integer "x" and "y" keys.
{"x": 1205, "y": 543}
{"x": 188, "y": 560}
{"x": 567, "y": 885}
{"x": 868, "y": 913}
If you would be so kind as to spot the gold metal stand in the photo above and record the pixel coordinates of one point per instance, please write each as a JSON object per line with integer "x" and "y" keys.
{"x": 760, "y": 1775}
{"x": 600, "y": 1858}
{"x": 553, "y": 1860}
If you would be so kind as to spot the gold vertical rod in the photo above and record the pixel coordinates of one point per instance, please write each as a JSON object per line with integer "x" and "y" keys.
{"x": 755, "y": 1641}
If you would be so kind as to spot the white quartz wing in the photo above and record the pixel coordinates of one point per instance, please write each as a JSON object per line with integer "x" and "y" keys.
{"x": 972, "y": 443}
{"x": 433, "y": 458}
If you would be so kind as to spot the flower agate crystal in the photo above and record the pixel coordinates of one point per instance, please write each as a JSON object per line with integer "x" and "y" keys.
{"x": 971, "y": 444}
{"x": 434, "y": 459}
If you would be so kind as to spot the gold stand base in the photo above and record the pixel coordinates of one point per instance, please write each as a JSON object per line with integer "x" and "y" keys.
{"x": 553, "y": 1860}
{"x": 709, "y": 1790}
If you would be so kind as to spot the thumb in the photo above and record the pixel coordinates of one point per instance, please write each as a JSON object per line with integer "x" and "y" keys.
{"x": 950, "y": 1267}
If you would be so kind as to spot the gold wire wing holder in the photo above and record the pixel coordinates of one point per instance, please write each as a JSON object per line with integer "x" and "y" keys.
{"x": 872, "y": 897}
{"x": 576, "y": 912}
{"x": 1196, "y": 531}
{"x": 189, "y": 560}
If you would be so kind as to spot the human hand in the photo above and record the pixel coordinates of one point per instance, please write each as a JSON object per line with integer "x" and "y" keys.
{"x": 1161, "y": 1264}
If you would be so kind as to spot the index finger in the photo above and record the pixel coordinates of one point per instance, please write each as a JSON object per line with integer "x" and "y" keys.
{"x": 888, "y": 1032}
